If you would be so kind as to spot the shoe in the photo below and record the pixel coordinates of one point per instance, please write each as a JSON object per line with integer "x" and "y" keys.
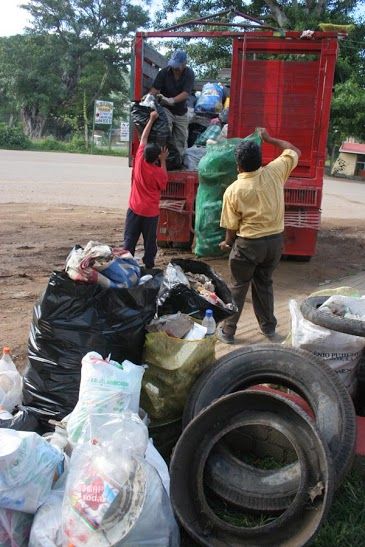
{"x": 224, "y": 337}
{"x": 274, "y": 337}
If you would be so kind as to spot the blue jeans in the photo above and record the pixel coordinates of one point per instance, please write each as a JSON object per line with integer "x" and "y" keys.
{"x": 135, "y": 225}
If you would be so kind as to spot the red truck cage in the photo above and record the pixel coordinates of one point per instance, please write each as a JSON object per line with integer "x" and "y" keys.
{"x": 279, "y": 80}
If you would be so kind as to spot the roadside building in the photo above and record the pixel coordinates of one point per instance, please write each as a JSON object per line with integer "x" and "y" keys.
{"x": 351, "y": 160}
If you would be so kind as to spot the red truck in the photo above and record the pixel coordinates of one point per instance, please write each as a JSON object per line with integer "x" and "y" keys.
{"x": 278, "y": 80}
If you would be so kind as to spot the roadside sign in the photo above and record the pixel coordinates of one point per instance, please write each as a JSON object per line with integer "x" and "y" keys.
{"x": 104, "y": 112}
{"x": 124, "y": 131}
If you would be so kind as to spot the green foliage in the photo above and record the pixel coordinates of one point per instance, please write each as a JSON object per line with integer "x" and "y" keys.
{"x": 49, "y": 144}
{"x": 348, "y": 111}
{"x": 76, "y": 51}
{"x": 13, "y": 138}
{"x": 345, "y": 524}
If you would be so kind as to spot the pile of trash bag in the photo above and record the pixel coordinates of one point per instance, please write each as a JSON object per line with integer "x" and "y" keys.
{"x": 109, "y": 487}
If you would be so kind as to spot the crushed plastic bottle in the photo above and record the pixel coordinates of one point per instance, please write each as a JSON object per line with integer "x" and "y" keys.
{"x": 11, "y": 383}
{"x": 6, "y": 362}
{"x": 209, "y": 322}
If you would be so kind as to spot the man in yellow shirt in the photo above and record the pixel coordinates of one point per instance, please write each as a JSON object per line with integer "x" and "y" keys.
{"x": 253, "y": 215}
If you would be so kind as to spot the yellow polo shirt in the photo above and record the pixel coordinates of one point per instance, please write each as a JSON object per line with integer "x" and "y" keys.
{"x": 253, "y": 205}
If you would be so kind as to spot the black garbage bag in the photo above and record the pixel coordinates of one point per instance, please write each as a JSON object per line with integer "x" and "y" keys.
{"x": 174, "y": 159}
{"x": 72, "y": 319}
{"x": 23, "y": 420}
{"x": 160, "y": 131}
{"x": 188, "y": 300}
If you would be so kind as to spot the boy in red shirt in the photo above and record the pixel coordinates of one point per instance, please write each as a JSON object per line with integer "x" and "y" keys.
{"x": 148, "y": 179}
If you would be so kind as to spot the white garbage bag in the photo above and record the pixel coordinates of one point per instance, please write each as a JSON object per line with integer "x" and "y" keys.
{"x": 14, "y": 528}
{"x": 29, "y": 465}
{"x": 47, "y": 524}
{"x": 11, "y": 384}
{"x": 342, "y": 352}
{"x": 106, "y": 387}
{"x": 113, "y": 496}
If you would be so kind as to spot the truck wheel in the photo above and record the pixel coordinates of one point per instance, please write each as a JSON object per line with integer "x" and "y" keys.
{"x": 310, "y": 311}
{"x": 300, "y": 371}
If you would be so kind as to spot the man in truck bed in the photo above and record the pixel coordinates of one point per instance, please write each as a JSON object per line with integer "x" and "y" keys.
{"x": 175, "y": 82}
{"x": 253, "y": 215}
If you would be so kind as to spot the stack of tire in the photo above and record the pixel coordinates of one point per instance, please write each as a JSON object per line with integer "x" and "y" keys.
{"x": 218, "y": 496}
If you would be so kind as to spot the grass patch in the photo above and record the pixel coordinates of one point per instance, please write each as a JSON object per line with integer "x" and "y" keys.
{"x": 75, "y": 147}
{"x": 346, "y": 521}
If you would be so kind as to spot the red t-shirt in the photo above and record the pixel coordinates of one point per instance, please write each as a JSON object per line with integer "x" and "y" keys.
{"x": 148, "y": 180}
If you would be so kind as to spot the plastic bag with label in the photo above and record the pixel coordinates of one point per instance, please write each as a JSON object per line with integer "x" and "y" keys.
{"x": 106, "y": 387}
{"x": 342, "y": 352}
{"x": 113, "y": 496}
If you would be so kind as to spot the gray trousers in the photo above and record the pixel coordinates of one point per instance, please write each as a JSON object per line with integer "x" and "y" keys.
{"x": 254, "y": 261}
{"x": 179, "y": 130}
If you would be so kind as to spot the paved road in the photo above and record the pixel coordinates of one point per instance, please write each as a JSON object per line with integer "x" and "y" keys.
{"x": 77, "y": 179}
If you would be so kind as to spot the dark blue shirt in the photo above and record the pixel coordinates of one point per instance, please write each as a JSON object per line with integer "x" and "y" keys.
{"x": 169, "y": 86}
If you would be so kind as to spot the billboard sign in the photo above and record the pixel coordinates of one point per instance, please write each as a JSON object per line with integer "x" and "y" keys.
{"x": 104, "y": 112}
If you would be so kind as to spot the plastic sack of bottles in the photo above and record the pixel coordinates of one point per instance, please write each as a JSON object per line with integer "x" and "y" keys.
{"x": 106, "y": 387}
{"x": 174, "y": 364}
{"x": 217, "y": 170}
{"x": 29, "y": 466}
{"x": 113, "y": 496}
{"x": 210, "y": 99}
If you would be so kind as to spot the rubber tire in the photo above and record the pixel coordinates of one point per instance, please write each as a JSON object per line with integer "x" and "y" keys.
{"x": 306, "y": 375}
{"x": 297, "y": 525}
{"x": 310, "y": 311}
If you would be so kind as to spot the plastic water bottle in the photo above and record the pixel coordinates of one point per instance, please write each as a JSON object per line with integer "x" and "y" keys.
{"x": 6, "y": 362}
{"x": 209, "y": 322}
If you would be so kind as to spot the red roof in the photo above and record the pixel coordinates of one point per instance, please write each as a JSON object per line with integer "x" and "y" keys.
{"x": 352, "y": 148}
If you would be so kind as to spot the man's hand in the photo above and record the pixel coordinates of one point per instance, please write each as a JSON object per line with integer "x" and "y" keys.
{"x": 263, "y": 133}
{"x": 154, "y": 115}
{"x": 169, "y": 101}
{"x": 224, "y": 246}
{"x": 164, "y": 153}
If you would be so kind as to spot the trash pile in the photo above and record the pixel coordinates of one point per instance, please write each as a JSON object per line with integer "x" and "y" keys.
{"x": 77, "y": 465}
{"x": 97, "y": 480}
{"x": 124, "y": 377}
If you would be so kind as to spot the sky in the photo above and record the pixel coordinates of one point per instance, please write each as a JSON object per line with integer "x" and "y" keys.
{"x": 14, "y": 19}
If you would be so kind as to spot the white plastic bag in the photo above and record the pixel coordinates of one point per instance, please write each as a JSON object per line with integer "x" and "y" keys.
{"x": 341, "y": 351}
{"x": 14, "y": 528}
{"x": 345, "y": 306}
{"x": 29, "y": 465}
{"x": 11, "y": 384}
{"x": 113, "y": 497}
{"x": 106, "y": 387}
{"x": 47, "y": 524}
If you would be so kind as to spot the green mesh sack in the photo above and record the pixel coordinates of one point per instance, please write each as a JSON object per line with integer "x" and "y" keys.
{"x": 217, "y": 170}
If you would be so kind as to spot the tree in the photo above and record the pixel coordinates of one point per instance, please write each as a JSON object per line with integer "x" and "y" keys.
{"x": 30, "y": 73}
{"x": 211, "y": 55}
{"x": 76, "y": 50}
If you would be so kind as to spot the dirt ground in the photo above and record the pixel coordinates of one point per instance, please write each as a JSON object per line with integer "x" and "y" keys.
{"x": 35, "y": 240}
